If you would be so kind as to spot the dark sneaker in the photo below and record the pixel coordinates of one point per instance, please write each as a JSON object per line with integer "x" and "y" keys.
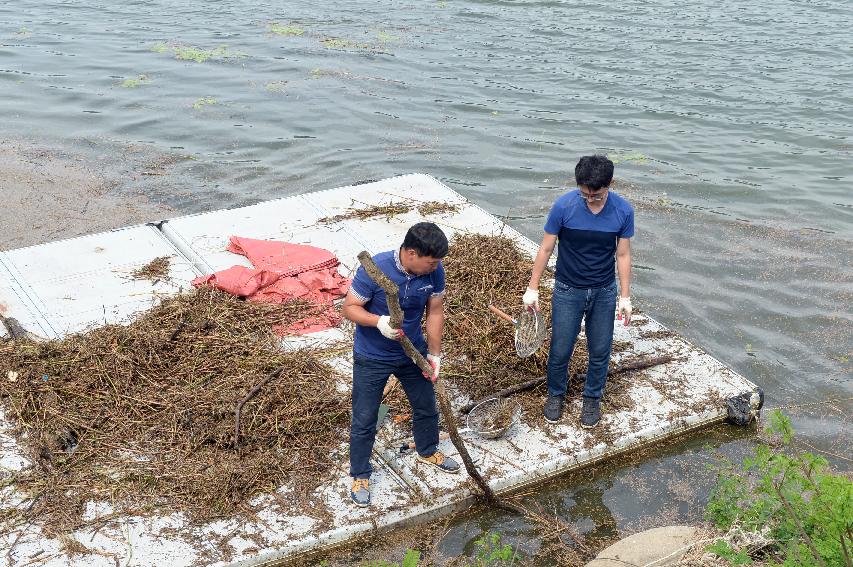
{"x": 553, "y": 409}
{"x": 591, "y": 412}
{"x": 441, "y": 462}
{"x": 360, "y": 492}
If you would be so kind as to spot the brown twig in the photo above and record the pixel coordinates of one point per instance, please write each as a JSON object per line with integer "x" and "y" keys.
{"x": 252, "y": 393}
{"x": 847, "y": 561}
{"x": 800, "y": 527}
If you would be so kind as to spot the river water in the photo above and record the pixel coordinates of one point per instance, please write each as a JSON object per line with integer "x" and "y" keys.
{"x": 730, "y": 123}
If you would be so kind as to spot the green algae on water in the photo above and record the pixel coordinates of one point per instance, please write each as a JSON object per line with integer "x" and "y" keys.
{"x": 196, "y": 54}
{"x": 338, "y": 43}
{"x": 133, "y": 83}
{"x": 279, "y": 29}
{"x": 631, "y": 157}
{"x": 275, "y": 86}
{"x": 320, "y": 73}
{"x": 204, "y": 101}
{"x": 386, "y": 37}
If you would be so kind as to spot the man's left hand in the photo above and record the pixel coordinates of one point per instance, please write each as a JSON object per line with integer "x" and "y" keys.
{"x": 623, "y": 310}
{"x": 434, "y": 361}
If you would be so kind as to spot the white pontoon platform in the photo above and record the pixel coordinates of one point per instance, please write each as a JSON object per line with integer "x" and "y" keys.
{"x": 65, "y": 287}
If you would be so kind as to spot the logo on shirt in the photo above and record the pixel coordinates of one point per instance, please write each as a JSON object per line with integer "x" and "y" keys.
{"x": 426, "y": 288}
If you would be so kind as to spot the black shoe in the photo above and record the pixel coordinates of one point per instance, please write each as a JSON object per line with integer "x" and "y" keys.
{"x": 553, "y": 409}
{"x": 591, "y": 413}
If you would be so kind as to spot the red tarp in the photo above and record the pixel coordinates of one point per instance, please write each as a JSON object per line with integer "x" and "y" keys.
{"x": 284, "y": 271}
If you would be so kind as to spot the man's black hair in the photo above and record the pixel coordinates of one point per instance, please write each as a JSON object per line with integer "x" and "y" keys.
{"x": 426, "y": 239}
{"x": 594, "y": 172}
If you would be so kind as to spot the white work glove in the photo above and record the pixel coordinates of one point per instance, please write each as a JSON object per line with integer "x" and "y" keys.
{"x": 623, "y": 309}
{"x": 531, "y": 299}
{"x": 389, "y": 332}
{"x": 434, "y": 361}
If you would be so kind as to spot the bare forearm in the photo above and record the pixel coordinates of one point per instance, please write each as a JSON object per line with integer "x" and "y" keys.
{"x": 434, "y": 331}
{"x": 623, "y": 267}
{"x": 360, "y": 316}
{"x": 539, "y": 265}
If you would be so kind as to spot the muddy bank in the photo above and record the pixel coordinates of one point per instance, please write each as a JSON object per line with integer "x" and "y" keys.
{"x": 50, "y": 193}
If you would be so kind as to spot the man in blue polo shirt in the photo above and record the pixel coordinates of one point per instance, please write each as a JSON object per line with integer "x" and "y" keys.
{"x": 416, "y": 269}
{"x": 592, "y": 225}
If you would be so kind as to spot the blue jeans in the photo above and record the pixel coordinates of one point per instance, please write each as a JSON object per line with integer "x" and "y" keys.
{"x": 568, "y": 306}
{"x": 369, "y": 377}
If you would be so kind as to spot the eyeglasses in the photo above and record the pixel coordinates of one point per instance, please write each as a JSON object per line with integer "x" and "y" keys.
{"x": 593, "y": 198}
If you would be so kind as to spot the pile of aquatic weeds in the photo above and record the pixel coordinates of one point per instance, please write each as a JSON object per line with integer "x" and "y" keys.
{"x": 481, "y": 357}
{"x": 143, "y": 416}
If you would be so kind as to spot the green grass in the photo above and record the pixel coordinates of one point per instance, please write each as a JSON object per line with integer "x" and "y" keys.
{"x": 204, "y": 101}
{"x": 279, "y": 29}
{"x": 133, "y": 83}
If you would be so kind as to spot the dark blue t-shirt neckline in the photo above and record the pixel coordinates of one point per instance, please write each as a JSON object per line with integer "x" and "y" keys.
{"x": 587, "y": 241}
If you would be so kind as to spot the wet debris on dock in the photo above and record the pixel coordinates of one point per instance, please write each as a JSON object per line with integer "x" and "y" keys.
{"x": 425, "y": 208}
{"x": 155, "y": 270}
{"x": 143, "y": 416}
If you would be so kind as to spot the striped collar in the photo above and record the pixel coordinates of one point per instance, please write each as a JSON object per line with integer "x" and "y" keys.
{"x": 399, "y": 264}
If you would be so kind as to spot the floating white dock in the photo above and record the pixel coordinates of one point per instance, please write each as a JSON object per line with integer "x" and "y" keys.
{"x": 65, "y": 287}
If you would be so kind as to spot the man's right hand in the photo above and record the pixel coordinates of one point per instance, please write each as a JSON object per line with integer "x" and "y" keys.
{"x": 389, "y": 332}
{"x": 531, "y": 299}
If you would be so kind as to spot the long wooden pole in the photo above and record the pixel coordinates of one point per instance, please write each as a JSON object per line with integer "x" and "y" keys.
{"x": 396, "y": 319}
{"x": 633, "y": 364}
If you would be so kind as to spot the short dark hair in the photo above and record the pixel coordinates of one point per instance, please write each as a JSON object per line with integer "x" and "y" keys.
{"x": 426, "y": 239}
{"x": 594, "y": 172}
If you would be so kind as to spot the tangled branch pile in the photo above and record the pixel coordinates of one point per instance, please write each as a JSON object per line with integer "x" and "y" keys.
{"x": 481, "y": 350}
{"x": 143, "y": 416}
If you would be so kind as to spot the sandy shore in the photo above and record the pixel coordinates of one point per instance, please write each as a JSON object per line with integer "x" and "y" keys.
{"x": 49, "y": 194}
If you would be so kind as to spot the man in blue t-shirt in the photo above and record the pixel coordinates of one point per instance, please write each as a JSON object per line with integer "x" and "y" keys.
{"x": 592, "y": 225}
{"x": 416, "y": 269}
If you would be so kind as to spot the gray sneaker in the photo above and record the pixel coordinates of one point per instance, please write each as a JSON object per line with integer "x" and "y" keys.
{"x": 553, "y": 409}
{"x": 591, "y": 412}
{"x": 441, "y": 462}
{"x": 360, "y": 492}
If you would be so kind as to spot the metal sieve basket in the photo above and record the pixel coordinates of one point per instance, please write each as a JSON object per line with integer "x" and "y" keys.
{"x": 492, "y": 418}
{"x": 530, "y": 329}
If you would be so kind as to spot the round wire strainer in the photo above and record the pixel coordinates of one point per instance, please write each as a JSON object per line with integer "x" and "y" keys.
{"x": 530, "y": 330}
{"x": 492, "y": 418}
